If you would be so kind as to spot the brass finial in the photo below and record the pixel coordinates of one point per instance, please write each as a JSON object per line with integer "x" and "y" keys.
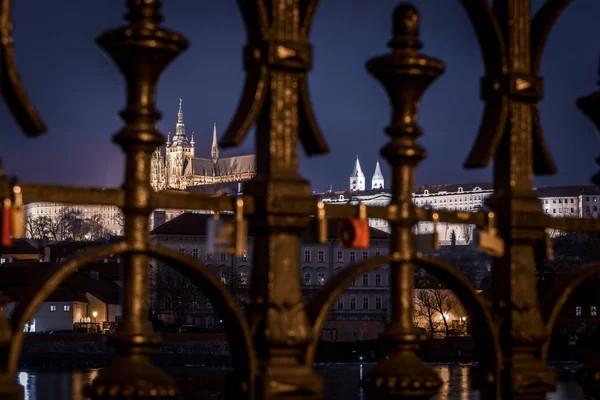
{"x": 406, "y": 28}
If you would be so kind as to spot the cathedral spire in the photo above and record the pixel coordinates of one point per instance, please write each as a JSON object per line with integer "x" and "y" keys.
{"x": 377, "y": 182}
{"x": 180, "y": 139}
{"x": 214, "y": 151}
{"x": 357, "y": 170}
{"x": 180, "y": 129}
{"x": 357, "y": 179}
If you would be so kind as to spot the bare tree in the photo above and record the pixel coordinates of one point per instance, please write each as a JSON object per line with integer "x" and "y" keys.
{"x": 179, "y": 294}
{"x": 30, "y": 230}
{"x": 444, "y": 301}
{"x": 120, "y": 219}
{"x": 39, "y": 227}
{"x": 70, "y": 224}
{"x": 424, "y": 310}
{"x": 432, "y": 307}
{"x": 93, "y": 227}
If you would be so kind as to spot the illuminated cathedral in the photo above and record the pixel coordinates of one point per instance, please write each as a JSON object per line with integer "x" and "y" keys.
{"x": 175, "y": 166}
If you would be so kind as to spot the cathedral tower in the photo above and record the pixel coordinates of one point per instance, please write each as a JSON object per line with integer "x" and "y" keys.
{"x": 377, "y": 181}
{"x": 179, "y": 150}
{"x": 357, "y": 179}
{"x": 157, "y": 174}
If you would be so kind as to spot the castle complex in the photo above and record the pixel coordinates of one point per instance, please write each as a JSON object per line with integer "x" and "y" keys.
{"x": 176, "y": 167}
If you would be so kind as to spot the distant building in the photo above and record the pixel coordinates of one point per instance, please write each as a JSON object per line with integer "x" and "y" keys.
{"x": 21, "y": 250}
{"x": 82, "y": 295}
{"x": 558, "y": 201}
{"x": 467, "y": 197}
{"x": 365, "y": 300}
{"x": 110, "y": 216}
{"x": 570, "y": 201}
{"x": 177, "y": 167}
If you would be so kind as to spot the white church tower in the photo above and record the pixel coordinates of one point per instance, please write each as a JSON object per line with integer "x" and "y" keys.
{"x": 357, "y": 179}
{"x": 377, "y": 181}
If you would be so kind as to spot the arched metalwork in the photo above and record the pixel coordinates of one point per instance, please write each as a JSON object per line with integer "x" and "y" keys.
{"x": 558, "y": 298}
{"x": 486, "y": 335}
{"x": 319, "y": 305}
{"x": 235, "y": 324}
{"x": 45, "y": 286}
{"x": 274, "y": 344}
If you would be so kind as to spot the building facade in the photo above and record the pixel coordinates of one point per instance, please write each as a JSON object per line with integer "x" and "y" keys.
{"x": 176, "y": 166}
{"x": 570, "y": 201}
{"x": 467, "y": 197}
{"x": 366, "y": 299}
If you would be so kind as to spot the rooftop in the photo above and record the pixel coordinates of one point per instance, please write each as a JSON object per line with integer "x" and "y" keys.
{"x": 21, "y": 247}
{"x": 194, "y": 224}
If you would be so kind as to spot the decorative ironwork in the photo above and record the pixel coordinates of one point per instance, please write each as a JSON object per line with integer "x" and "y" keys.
{"x": 274, "y": 345}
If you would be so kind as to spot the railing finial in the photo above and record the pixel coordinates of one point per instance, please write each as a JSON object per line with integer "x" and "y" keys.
{"x": 405, "y": 73}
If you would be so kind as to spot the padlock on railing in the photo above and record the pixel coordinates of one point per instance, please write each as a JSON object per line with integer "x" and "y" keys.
{"x": 489, "y": 240}
{"x": 354, "y": 233}
{"x": 318, "y": 226}
{"x": 6, "y": 223}
{"x": 228, "y": 234}
{"x": 436, "y": 237}
{"x": 18, "y": 213}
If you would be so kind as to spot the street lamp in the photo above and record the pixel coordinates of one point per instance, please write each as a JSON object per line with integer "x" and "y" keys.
{"x": 95, "y": 314}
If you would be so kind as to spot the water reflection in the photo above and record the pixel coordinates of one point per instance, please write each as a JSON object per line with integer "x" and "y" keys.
{"x": 342, "y": 381}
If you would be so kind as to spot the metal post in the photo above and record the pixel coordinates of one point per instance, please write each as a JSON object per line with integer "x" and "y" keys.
{"x": 405, "y": 74}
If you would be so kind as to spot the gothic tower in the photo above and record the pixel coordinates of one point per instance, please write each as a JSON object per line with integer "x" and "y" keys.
{"x": 214, "y": 151}
{"x": 377, "y": 181}
{"x": 178, "y": 151}
{"x": 157, "y": 174}
{"x": 357, "y": 179}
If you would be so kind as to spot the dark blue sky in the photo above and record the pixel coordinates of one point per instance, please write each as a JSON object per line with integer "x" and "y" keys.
{"x": 78, "y": 90}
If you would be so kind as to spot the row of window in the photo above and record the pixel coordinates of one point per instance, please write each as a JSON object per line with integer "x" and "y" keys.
{"x": 209, "y": 256}
{"x": 243, "y": 279}
{"x": 561, "y": 210}
{"x": 560, "y": 201}
{"x": 66, "y": 307}
{"x": 365, "y": 303}
{"x": 593, "y": 311}
{"x": 566, "y": 209}
{"x": 340, "y": 255}
{"x": 321, "y": 279}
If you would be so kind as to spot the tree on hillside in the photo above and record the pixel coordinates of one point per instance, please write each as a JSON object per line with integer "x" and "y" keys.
{"x": 39, "y": 227}
{"x": 120, "y": 219}
{"x": 69, "y": 224}
{"x": 93, "y": 229}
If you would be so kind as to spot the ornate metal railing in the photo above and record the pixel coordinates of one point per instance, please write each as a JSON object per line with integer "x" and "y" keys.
{"x": 273, "y": 345}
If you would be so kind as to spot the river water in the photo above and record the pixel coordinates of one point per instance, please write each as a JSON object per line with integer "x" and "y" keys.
{"x": 341, "y": 382}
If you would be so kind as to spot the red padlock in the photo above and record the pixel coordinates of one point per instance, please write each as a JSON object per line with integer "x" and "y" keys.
{"x": 354, "y": 233}
{"x": 5, "y": 238}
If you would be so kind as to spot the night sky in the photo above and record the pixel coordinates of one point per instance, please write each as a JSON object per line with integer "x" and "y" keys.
{"x": 78, "y": 90}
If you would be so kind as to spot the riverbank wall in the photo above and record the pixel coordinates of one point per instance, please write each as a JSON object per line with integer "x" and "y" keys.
{"x": 88, "y": 350}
